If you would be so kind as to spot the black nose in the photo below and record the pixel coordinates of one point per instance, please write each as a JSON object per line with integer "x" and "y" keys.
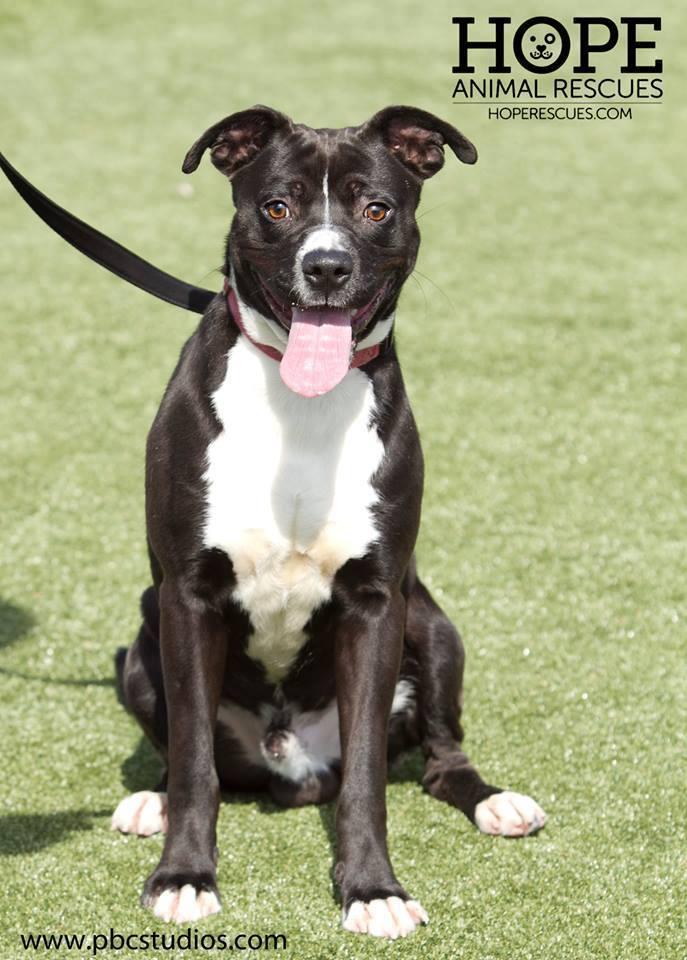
{"x": 541, "y": 47}
{"x": 327, "y": 269}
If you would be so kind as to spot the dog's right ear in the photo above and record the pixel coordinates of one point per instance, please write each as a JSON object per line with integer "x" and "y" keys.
{"x": 237, "y": 139}
{"x": 416, "y": 138}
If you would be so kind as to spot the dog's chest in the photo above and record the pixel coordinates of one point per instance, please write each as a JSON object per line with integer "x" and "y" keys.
{"x": 289, "y": 494}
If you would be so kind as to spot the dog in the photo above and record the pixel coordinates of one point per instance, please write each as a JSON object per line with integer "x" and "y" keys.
{"x": 288, "y": 643}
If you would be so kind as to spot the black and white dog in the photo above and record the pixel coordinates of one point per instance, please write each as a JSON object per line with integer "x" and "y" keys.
{"x": 288, "y": 643}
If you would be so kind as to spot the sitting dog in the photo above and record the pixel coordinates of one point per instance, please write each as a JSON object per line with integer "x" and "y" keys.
{"x": 288, "y": 643}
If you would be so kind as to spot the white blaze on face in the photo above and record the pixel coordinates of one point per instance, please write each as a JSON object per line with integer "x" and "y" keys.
{"x": 324, "y": 236}
{"x": 325, "y": 191}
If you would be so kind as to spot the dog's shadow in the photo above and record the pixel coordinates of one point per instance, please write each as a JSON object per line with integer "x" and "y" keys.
{"x": 15, "y": 623}
{"x": 22, "y": 833}
{"x": 142, "y": 769}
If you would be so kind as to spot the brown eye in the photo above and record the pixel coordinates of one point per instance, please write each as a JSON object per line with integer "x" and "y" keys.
{"x": 276, "y": 210}
{"x": 376, "y": 211}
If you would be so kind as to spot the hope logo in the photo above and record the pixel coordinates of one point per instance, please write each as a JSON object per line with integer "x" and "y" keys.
{"x": 542, "y": 44}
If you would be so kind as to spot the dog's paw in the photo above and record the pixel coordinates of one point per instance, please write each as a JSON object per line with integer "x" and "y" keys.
{"x": 178, "y": 894}
{"x": 143, "y": 813}
{"x": 391, "y": 918}
{"x": 184, "y": 905}
{"x": 509, "y": 814}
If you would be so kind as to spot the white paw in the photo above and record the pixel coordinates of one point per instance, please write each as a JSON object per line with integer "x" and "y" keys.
{"x": 185, "y": 905}
{"x": 509, "y": 814}
{"x": 391, "y": 918}
{"x": 143, "y": 813}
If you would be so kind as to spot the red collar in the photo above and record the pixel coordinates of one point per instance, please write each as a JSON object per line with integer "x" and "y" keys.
{"x": 358, "y": 359}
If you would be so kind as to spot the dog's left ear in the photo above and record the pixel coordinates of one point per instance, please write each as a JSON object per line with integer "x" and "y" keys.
{"x": 237, "y": 139}
{"x": 417, "y": 139}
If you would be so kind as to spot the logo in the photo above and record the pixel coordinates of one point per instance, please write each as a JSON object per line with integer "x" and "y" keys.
{"x": 559, "y": 63}
{"x": 545, "y": 49}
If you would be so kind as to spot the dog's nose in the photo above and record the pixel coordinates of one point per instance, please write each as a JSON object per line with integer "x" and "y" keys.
{"x": 327, "y": 269}
{"x": 541, "y": 47}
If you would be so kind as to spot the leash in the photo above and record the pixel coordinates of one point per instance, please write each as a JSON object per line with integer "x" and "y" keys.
{"x": 106, "y": 252}
{"x": 134, "y": 269}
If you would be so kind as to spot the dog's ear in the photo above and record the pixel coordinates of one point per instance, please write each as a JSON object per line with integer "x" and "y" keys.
{"x": 237, "y": 139}
{"x": 417, "y": 139}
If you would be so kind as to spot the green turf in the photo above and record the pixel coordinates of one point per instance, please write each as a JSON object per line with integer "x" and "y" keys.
{"x": 544, "y": 350}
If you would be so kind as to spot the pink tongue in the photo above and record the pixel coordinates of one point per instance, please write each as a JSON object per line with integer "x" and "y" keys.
{"x": 318, "y": 353}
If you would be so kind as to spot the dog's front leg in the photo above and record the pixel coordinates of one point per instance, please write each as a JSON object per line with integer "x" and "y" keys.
{"x": 183, "y": 886}
{"x": 368, "y": 653}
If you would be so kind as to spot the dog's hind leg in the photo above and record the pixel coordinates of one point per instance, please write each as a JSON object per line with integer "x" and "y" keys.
{"x": 139, "y": 675}
{"x": 434, "y": 645}
{"x": 140, "y": 689}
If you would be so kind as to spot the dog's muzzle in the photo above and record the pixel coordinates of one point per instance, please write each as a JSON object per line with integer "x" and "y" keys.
{"x": 321, "y": 348}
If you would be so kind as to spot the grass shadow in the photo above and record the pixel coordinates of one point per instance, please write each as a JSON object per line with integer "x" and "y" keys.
{"x": 57, "y": 681}
{"x": 408, "y": 767}
{"x": 30, "y": 832}
{"x": 327, "y": 812}
{"x": 15, "y": 623}
{"x": 143, "y": 769}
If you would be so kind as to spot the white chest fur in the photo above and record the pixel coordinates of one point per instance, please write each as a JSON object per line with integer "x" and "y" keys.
{"x": 289, "y": 494}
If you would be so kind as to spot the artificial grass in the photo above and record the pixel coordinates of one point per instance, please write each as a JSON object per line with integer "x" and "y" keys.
{"x": 543, "y": 346}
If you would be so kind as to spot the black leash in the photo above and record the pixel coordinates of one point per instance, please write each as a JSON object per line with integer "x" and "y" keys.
{"x": 113, "y": 256}
{"x": 116, "y": 258}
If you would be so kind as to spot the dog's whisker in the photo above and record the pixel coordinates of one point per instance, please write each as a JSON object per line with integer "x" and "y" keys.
{"x": 424, "y": 295}
{"x": 443, "y": 293}
{"x": 426, "y": 213}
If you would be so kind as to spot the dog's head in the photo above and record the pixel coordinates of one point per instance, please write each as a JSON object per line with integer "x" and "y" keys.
{"x": 324, "y": 232}
{"x": 544, "y": 44}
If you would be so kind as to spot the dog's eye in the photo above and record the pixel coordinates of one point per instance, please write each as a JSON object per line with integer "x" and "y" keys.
{"x": 276, "y": 210}
{"x": 376, "y": 211}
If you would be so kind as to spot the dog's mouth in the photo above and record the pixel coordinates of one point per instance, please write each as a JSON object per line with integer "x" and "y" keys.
{"x": 321, "y": 341}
